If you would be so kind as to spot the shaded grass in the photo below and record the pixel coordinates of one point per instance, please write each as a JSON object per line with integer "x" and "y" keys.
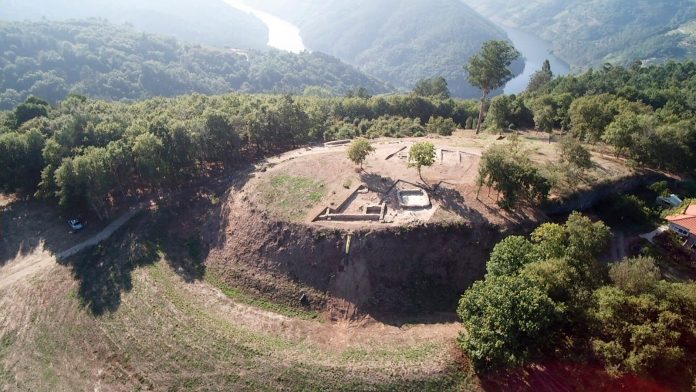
{"x": 6, "y": 343}
{"x": 238, "y": 296}
{"x": 410, "y": 353}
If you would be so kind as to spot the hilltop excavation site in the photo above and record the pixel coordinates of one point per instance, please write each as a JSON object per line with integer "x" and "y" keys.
{"x": 310, "y": 228}
{"x": 301, "y": 270}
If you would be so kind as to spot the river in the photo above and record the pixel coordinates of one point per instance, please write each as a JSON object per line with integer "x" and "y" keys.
{"x": 535, "y": 50}
{"x": 282, "y": 34}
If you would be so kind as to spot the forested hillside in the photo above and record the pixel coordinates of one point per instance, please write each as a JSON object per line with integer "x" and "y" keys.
{"x": 397, "y": 41}
{"x": 101, "y": 60}
{"x": 646, "y": 114}
{"x": 208, "y": 22}
{"x": 590, "y": 33}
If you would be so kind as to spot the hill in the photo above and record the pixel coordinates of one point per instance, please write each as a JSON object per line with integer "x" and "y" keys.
{"x": 397, "y": 41}
{"x": 212, "y": 23}
{"x": 101, "y": 60}
{"x": 590, "y": 33}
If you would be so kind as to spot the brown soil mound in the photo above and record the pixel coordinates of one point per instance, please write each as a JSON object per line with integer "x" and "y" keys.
{"x": 390, "y": 274}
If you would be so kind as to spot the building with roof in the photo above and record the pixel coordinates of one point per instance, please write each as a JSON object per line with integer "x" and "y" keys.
{"x": 685, "y": 225}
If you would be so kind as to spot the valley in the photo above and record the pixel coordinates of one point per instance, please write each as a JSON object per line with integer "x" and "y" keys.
{"x": 347, "y": 195}
{"x": 281, "y": 34}
{"x": 534, "y": 51}
{"x": 591, "y": 33}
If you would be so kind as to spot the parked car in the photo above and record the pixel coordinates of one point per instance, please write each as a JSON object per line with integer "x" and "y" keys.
{"x": 669, "y": 201}
{"x": 75, "y": 225}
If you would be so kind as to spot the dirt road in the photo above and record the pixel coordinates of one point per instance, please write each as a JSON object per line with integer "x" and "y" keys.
{"x": 27, "y": 265}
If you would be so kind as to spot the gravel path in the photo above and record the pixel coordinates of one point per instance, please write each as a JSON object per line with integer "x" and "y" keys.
{"x": 41, "y": 258}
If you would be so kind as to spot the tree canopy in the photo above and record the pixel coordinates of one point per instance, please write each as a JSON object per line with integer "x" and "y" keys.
{"x": 421, "y": 154}
{"x": 435, "y": 87}
{"x": 102, "y": 60}
{"x": 510, "y": 172}
{"x": 358, "y": 151}
{"x": 548, "y": 297}
{"x": 490, "y": 69}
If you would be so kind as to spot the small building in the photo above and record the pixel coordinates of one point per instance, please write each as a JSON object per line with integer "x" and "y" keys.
{"x": 685, "y": 225}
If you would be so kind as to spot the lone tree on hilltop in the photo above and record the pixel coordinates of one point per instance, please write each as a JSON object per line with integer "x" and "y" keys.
{"x": 421, "y": 154}
{"x": 358, "y": 151}
{"x": 489, "y": 70}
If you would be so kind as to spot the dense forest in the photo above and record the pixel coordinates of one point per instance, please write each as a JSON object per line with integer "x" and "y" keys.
{"x": 398, "y": 41}
{"x": 647, "y": 114}
{"x": 100, "y": 60}
{"x": 208, "y": 22}
{"x": 94, "y": 154}
{"x": 548, "y": 298}
{"x": 590, "y": 33}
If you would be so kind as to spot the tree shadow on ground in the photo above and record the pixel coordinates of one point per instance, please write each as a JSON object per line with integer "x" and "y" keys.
{"x": 377, "y": 183}
{"x": 181, "y": 230}
{"x": 105, "y": 271}
{"x": 28, "y": 225}
{"x": 452, "y": 200}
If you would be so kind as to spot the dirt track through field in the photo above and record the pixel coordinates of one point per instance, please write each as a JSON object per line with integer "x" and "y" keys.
{"x": 24, "y": 266}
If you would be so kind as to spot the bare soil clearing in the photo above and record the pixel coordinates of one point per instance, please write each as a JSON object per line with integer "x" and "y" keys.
{"x": 454, "y": 174}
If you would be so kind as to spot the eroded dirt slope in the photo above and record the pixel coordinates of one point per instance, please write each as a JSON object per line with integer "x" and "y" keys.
{"x": 401, "y": 272}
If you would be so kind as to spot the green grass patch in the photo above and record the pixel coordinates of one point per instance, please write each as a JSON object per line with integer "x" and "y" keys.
{"x": 238, "y": 296}
{"x": 6, "y": 343}
{"x": 292, "y": 197}
{"x": 406, "y": 353}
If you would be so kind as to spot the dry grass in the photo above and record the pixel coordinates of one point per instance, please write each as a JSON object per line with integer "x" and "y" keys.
{"x": 171, "y": 335}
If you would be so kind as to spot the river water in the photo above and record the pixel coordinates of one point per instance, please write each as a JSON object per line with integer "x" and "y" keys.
{"x": 535, "y": 50}
{"x": 282, "y": 34}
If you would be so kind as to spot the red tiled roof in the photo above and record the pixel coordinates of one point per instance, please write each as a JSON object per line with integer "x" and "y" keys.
{"x": 686, "y": 220}
{"x": 675, "y": 218}
{"x": 691, "y": 210}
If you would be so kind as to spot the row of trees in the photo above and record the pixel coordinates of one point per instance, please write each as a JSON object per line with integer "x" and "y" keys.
{"x": 548, "y": 297}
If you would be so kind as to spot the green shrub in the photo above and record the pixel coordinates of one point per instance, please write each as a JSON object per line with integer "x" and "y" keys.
{"x": 441, "y": 126}
{"x": 507, "y": 321}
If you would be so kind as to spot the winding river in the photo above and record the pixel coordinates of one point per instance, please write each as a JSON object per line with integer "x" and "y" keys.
{"x": 535, "y": 51}
{"x": 282, "y": 34}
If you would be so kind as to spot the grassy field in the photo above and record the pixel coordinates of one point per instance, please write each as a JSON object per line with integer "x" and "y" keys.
{"x": 171, "y": 335}
{"x": 291, "y": 197}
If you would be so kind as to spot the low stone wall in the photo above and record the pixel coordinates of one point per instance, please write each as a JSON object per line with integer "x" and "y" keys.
{"x": 337, "y": 143}
{"x": 390, "y": 156}
{"x": 350, "y": 217}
